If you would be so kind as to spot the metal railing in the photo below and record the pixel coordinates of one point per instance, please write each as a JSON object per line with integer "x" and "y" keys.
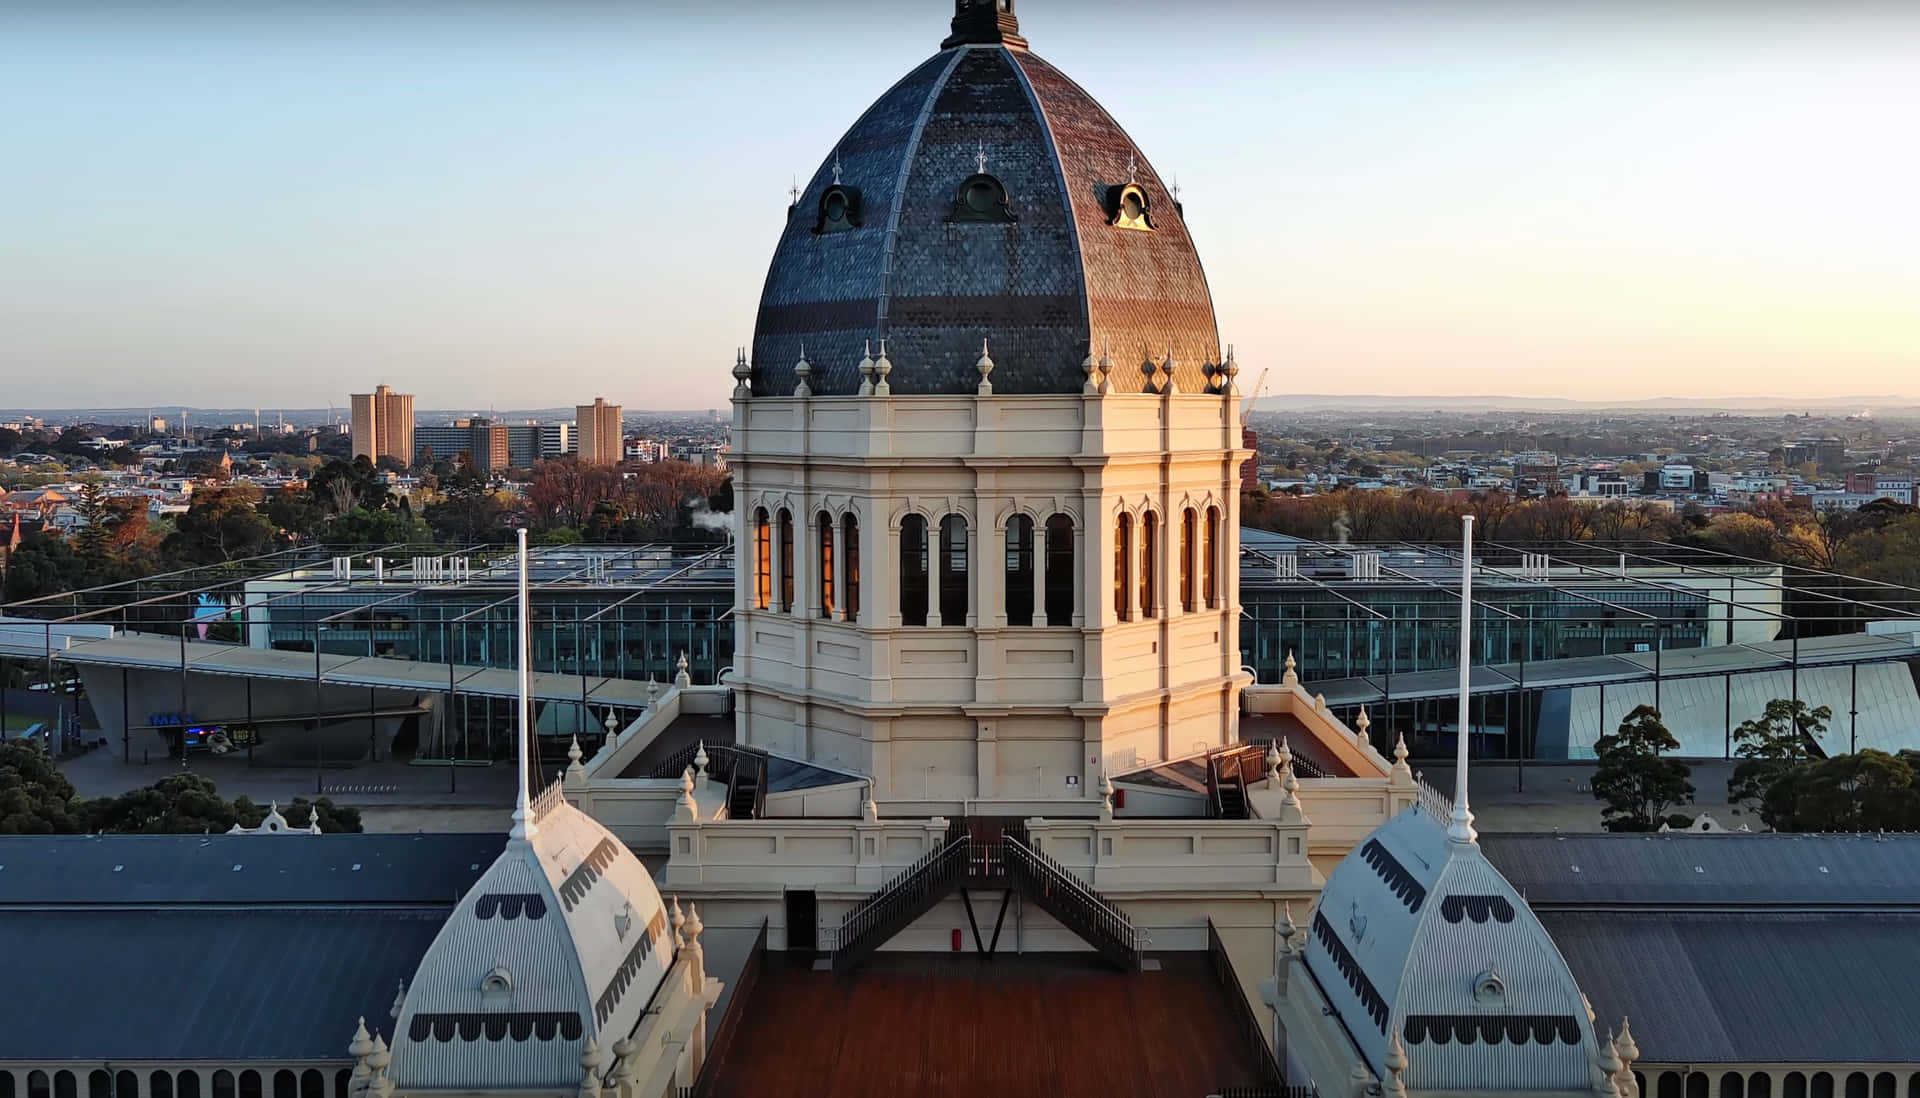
{"x": 723, "y": 1035}
{"x": 900, "y": 901}
{"x": 1275, "y": 1084}
{"x": 1068, "y": 899}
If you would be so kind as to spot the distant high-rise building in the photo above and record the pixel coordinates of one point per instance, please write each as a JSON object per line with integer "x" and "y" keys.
{"x": 598, "y": 427}
{"x": 481, "y": 443}
{"x": 383, "y": 425}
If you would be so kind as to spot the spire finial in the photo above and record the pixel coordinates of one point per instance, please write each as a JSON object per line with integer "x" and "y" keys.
{"x": 980, "y": 158}
{"x": 985, "y": 366}
{"x": 1460, "y": 823}
{"x": 793, "y": 189}
{"x": 523, "y": 825}
{"x": 1176, "y": 189}
{"x": 1133, "y": 168}
{"x": 836, "y": 167}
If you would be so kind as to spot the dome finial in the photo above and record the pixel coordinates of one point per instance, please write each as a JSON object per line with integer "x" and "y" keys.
{"x": 1133, "y": 167}
{"x": 836, "y": 167}
{"x": 985, "y": 366}
{"x": 984, "y": 23}
{"x": 980, "y": 158}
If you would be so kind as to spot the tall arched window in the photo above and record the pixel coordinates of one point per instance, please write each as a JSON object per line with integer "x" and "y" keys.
{"x": 38, "y": 1085}
{"x": 825, "y": 525}
{"x": 1698, "y": 1086}
{"x": 786, "y": 561}
{"x": 313, "y": 1084}
{"x": 1210, "y": 559}
{"x": 913, "y": 570}
{"x": 126, "y": 1085}
{"x": 1188, "y": 520}
{"x": 953, "y": 570}
{"x": 223, "y": 1084}
{"x": 1149, "y": 564}
{"x": 1759, "y": 1085}
{"x": 1794, "y": 1085}
{"x": 285, "y": 1085}
{"x": 1020, "y": 570}
{"x": 762, "y": 560}
{"x": 1670, "y": 1085}
{"x": 99, "y": 1084}
{"x": 850, "y": 563}
{"x": 189, "y": 1083}
{"x": 250, "y": 1084}
{"x": 1060, "y": 575}
{"x": 160, "y": 1084}
{"x": 1732, "y": 1085}
{"x": 65, "y": 1085}
{"x": 1821, "y": 1085}
{"x": 1122, "y": 575}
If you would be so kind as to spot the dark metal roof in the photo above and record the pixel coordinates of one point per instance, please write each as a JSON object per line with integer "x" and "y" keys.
{"x": 1749, "y": 987}
{"x": 1676, "y": 871}
{"x": 1042, "y": 289}
{"x": 167, "y": 870}
{"x": 234, "y": 985}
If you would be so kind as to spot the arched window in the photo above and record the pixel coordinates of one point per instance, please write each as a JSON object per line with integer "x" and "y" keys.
{"x": 223, "y": 1084}
{"x": 65, "y": 1084}
{"x": 786, "y": 561}
{"x": 1699, "y": 1086}
{"x": 850, "y": 563}
{"x": 126, "y": 1085}
{"x": 1149, "y": 564}
{"x": 825, "y": 526}
{"x": 160, "y": 1084}
{"x": 1759, "y": 1085}
{"x": 1210, "y": 559}
{"x": 189, "y": 1083}
{"x": 6, "y": 1083}
{"x": 1020, "y": 570}
{"x": 913, "y": 570}
{"x": 1122, "y": 550}
{"x": 1886, "y": 1086}
{"x": 342, "y": 1081}
{"x": 1188, "y": 520}
{"x": 1794, "y": 1085}
{"x": 953, "y": 570}
{"x": 284, "y": 1084}
{"x": 99, "y": 1084}
{"x": 250, "y": 1084}
{"x": 1670, "y": 1084}
{"x": 1821, "y": 1085}
{"x": 313, "y": 1084}
{"x": 1060, "y": 575}
{"x": 38, "y": 1085}
{"x": 1857, "y": 1084}
{"x": 1733, "y": 1085}
{"x": 762, "y": 560}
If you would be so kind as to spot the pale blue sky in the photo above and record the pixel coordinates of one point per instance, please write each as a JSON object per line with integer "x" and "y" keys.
{"x": 522, "y": 203}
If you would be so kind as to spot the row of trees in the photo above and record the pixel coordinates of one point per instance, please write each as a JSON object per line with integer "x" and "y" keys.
{"x": 36, "y": 799}
{"x": 1780, "y": 777}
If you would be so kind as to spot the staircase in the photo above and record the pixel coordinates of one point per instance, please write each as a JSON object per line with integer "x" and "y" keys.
{"x": 986, "y": 854}
{"x": 1228, "y": 773}
{"x": 744, "y": 769}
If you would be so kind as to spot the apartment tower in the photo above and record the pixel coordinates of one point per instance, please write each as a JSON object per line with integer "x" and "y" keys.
{"x": 599, "y": 431}
{"x": 383, "y": 425}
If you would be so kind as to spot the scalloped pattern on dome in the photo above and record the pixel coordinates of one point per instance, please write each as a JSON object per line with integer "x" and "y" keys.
{"x": 1042, "y": 290}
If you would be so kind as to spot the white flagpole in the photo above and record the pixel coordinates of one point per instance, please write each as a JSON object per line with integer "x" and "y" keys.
{"x": 1460, "y": 825}
{"x": 523, "y": 825}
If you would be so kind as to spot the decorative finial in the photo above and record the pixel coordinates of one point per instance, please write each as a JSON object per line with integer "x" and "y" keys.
{"x": 1396, "y": 1064}
{"x": 869, "y": 811}
{"x": 1089, "y": 368}
{"x": 1106, "y": 797}
{"x": 1133, "y": 168}
{"x": 866, "y": 370}
{"x": 694, "y": 926}
{"x": 794, "y": 191}
{"x": 1285, "y": 927}
{"x": 1288, "y": 677}
{"x": 980, "y": 159}
{"x": 653, "y": 690}
{"x": 836, "y": 167}
{"x": 803, "y": 370}
{"x": 399, "y": 1001}
{"x": 574, "y": 754}
{"x": 741, "y": 373}
{"x": 1169, "y": 385}
{"x": 700, "y": 761}
{"x": 1625, "y": 1045}
{"x": 524, "y": 826}
{"x": 681, "y": 677}
{"x": 612, "y": 723}
{"x": 985, "y": 366}
{"x": 1176, "y": 189}
{"x": 362, "y": 1044}
{"x": 882, "y": 366}
{"x": 1362, "y": 723}
{"x": 677, "y": 920}
{"x": 1273, "y": 766}
{"x": 686, "y": 809}
{"x": 1286, "y": 753}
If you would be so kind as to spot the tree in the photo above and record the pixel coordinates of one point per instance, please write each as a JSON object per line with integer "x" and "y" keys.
{"x": 1770, "y": 746}
{"x": 35, "y": 798}
{"x": 1868, "y": 791}
{"x": 189, "y": 804}
{"x": 1637, "y": 783}
{"x": 93, "y": 538}
{"x": 224, "y": 524}
{"x": 468, "y": 512}
{"x": 363, "y": 527}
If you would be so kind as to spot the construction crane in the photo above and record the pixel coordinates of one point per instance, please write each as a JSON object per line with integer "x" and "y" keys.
{"x": 1259, "y": 388}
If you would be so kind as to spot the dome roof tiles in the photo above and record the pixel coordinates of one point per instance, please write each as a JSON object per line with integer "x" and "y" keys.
{"x": 1041, "y": 289}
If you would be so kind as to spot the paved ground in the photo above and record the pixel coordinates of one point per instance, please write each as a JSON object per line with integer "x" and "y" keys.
{"x": 446, "y": 818}
{"x": 1547, "y": 797}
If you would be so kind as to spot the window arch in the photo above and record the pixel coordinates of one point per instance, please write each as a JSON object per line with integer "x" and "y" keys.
{"x": 250, "y": 1084}
{"x": 1698, "y": 1085}
{"x": 285, "y": 1085}
{"x": 824, "y": 524}
{"x": 762, "y": 560}
{"x": 1733, "y": 1085}
{"x": 126, "y": 1085}
{"x": 913, "y": 570}
{"x": 1020, "y": 583}
{"x": 1794, "y": 1085}
{"x": 786, "y": 561}
{"x": 1670, "y": 1084}
{"x": 6, "y": 1083}
{"x": 188, "y": 1083}
{"x": 342, "y": 1082}
{"x": 65, "y": 1084}
{"x": 953, "y": 570}
{"x": 1060, "y": 575}
{"x": 1210, "y": 559}
{"x": 38, "y": 1085}
{"x": 850, "y": 564}
{"x": 1821, "y": 1085}
{"x": 1122, "y": 551}
{"x": 1759, "y": 1085}
{"x": 313, "y": 1084}
{"x": 1188, "y": 520}
{"x": 1149, "y": 564}
{"x": 1885, "y": 1085}
{"x": 160, "y": 1084}
{"x": 99, "y": 1083}
{"x": 1857, "y": 1086}
{"x": 223, "y": 1084}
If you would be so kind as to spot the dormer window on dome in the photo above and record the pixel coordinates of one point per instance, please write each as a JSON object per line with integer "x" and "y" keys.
{"x": 839, "y": 209}
{"x": 1128, "y": 207}
{"x": 1488, "y": 987}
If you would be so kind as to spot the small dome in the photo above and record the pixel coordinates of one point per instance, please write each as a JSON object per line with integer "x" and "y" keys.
{"x": 985, "y": 194}
{"x": 1421, "y": 936}
{"x": 562, "y": 940}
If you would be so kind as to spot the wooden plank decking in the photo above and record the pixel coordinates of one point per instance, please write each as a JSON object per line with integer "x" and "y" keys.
{"x": 911, "y": 1025}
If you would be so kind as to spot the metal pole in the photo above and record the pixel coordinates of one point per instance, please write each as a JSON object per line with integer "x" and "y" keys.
{"x": 126, "y": 719}
{"x": 1460, "y": 825}
{"x": 1658, "y": 633}
{"x": 319, "y": 706}
{"x": 1519, "y": 722}
{"x": 446, "y": 722}
{"x": 1726, "y": 690}
{"x": 1853, "y": 710}
{"x": 184, "y": 715}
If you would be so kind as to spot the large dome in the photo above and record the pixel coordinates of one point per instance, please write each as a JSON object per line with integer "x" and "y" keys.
{"x": 984, "y": 197}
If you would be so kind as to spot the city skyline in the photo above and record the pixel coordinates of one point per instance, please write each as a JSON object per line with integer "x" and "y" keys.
{"x": 1593, "y": 203}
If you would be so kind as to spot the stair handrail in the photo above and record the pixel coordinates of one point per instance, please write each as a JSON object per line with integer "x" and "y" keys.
{"x": 1242, "y": 1010}
{"x": 872, "y": 912}
{"x": 721, "y": 758}
{"x": 1103, "y": 919}
{"x": 749, "y": 766}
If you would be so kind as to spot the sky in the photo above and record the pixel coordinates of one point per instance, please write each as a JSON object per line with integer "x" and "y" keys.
{"x": 520, "y": 204}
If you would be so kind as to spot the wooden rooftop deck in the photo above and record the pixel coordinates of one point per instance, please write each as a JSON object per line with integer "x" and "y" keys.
{"x": 938, "y": 1025}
